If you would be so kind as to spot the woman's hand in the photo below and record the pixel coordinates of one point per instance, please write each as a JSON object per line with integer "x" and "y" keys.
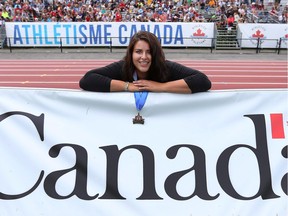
{"x": 139, "y": 85}
{"x": 147, "y": 85}
{"x": 177, "y": 86}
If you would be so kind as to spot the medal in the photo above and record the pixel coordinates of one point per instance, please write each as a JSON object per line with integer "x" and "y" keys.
{"x": 138, "y": 119}
{"x": 140, "y": 99}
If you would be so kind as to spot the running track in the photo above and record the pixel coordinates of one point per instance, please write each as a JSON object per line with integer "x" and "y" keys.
{"x": 65, "y": 74}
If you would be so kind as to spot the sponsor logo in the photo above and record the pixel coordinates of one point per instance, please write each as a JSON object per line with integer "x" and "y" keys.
{"x": 198, "y": 34}
{"x": 285, "y": 38}
{"x": 258, "y": 33}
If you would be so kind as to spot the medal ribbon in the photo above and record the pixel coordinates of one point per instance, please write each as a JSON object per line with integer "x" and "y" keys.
{"x": 140, "y": 97}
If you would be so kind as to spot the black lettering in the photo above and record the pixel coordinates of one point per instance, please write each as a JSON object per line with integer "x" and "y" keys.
{"x": 284, "y": 181}
{"x": 80, "y": 189}
{"x": 113, "y": 154}
{"x": 200, "y": 175}
{"x": 261, "y": 153}
{"x": 38, "y": 122}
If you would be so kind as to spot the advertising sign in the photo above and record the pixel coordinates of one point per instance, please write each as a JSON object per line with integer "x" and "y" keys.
{"x": 101, "y": 34}
{"x": 79, "y": 153}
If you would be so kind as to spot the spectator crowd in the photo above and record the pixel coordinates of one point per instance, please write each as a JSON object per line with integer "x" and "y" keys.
{"x": 223, "y": 12}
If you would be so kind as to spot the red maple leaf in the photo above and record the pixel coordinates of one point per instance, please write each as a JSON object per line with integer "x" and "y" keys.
{"x": 258, "y": 34}
{"x": 199, "y": 33}
{"x": 286, "y": 36}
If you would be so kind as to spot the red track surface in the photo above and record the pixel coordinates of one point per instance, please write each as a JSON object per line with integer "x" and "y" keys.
{"x": 67, "y": 73}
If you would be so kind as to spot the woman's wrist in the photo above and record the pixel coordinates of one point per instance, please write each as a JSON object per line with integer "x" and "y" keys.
{"x": 126, "y": 87}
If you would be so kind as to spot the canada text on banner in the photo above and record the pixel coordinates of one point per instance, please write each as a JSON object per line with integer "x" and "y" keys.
{"x": 79, "y": 153}
{"x": 118, "y": 34}
{"x": 101, "y": 34}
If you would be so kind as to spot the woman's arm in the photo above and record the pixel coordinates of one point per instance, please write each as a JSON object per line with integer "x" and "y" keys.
{"x": 118, "y": 85}
{"x": 182, "y": 79}
{"x": 176, "y": 86}
{"x": 195, "y": 80}
{"x": 104, "y": 79}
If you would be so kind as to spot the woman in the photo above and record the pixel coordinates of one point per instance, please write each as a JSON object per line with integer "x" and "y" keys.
{"x": 144, "y": 68}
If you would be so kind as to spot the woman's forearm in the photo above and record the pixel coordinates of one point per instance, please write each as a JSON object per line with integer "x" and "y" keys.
{"x": 118, "y": 85}
{"x": 177, "y": 86}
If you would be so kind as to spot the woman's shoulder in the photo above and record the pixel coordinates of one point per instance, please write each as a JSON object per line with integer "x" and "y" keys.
{"x": 119, "y": 62}
{"x": 171, "y": 64}
{"x": 115, "y": 65}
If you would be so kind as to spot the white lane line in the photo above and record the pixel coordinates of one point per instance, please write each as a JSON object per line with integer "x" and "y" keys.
{"x": 5, "y": 71}
{"x": 40, "y": 75}
{"x": 249, "y": 76}
{"x": 35, "y": 82}
{"x": 80, "y": 75}
{"x": 247, "y": 83}
{"x": 188, "y": 65}
{"x": 217, "y": 83}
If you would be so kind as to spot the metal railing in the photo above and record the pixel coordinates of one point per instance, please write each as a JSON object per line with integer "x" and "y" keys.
{"x": 257, "y": 44}
{"x": 262, "y": 17}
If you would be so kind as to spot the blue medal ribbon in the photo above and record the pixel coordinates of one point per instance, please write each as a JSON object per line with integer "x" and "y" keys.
{"x": 140, "y": 99}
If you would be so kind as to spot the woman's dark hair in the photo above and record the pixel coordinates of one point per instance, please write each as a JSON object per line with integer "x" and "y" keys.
{"x": 157, "y": 71}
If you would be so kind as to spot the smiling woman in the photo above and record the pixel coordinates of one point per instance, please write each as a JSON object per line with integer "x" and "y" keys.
{"x": 144, "y": 68}
{"x": 142, "y": 59}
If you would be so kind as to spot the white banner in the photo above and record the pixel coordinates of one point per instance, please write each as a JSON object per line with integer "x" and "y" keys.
{"x": 79, "y": 153}
{"x": 269, "y": 35}
{"x": 118, "y": 34}
{"x": 81, "y": 34}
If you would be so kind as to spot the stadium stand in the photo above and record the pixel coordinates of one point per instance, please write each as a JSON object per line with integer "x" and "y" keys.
{"x": 226, "y": 14}
{"x": 2, "y": 35}
{"x": 142, "y": 10}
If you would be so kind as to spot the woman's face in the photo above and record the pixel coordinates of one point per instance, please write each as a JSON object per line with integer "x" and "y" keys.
{"x": 141, "y": 58}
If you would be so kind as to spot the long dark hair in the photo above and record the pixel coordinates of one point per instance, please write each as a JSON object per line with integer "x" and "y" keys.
{"x": 157, "y": 71}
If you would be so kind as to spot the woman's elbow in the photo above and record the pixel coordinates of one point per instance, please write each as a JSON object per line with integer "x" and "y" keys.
{"x": 82, "y": 84}
{"x": 202, "y": 86}
{"x": 87, "y": 84}
{"x": 208, "y": 84}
